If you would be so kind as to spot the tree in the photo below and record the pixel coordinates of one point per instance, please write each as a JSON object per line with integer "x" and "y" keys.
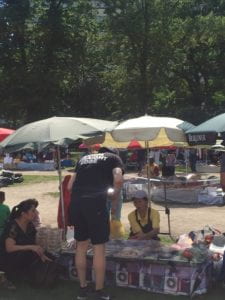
{"x": 195, "y": 77}
{"x": 140, "y": 33}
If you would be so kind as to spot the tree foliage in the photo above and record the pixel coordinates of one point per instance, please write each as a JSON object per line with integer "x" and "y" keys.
{"x": 111, "y": 59}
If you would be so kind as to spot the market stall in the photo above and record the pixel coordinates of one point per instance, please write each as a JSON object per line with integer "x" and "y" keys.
{"x": 188, "y": 189}
{"x": 150, "y": 266}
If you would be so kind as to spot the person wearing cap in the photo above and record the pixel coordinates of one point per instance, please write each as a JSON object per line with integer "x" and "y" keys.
{"x": 97, "y": 177}
{"x": 144, "y": 220}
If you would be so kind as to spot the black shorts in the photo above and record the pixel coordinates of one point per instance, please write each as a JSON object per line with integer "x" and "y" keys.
{"x": 90, "y": 217}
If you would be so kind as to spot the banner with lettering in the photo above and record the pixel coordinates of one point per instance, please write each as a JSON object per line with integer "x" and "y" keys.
{"x": 206, "y": 138}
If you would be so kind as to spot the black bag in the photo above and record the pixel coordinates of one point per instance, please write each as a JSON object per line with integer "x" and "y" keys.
{"x": 18, "y": 179}
{"x": 44, "y": 274}
{"x": 8, "y": 174}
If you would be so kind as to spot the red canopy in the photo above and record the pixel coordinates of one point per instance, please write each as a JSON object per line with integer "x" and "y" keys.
{"x": 134, "y": 145}
{"x": 4, "y": 132}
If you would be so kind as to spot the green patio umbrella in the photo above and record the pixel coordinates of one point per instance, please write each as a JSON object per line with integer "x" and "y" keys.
{"x": 57, "y": 131}
{"x": 207, "y": 132}
{"x": 60, "y": 131}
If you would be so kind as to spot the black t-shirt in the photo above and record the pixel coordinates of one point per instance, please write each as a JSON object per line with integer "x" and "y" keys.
{"x": 13, "y": 230}
{"x": 94, "y": 171}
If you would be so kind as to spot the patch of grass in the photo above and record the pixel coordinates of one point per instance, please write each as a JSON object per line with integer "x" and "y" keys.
{"x": 182, "y": 169}
{"x": 31, "y": 179}
{"x": 69, "y": 290}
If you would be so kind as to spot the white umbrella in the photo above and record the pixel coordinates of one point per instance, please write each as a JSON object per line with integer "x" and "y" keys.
{"x": 147, "y": 128}
{"x": 153, "y": 131}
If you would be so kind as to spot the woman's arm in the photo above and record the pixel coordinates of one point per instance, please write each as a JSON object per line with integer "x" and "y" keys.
{"x": 10, "y": 245}
{"x": 117, "y": 185}
{"x": 147, "y": 236}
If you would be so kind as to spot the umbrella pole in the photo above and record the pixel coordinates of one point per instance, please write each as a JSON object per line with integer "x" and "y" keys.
{"x": 148, "y": 172}
{"x": 61, "y": 191}
{"x": 167, "y": 210}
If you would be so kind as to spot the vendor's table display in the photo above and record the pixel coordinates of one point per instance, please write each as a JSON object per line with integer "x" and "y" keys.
{"x": 190, "y": 189}
{"x": 47, "y": 166}
{"x": 152, "y": 267}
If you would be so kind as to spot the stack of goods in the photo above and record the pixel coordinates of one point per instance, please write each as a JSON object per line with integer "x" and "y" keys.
{"x": 50, "y": 239}
{"x": 155, "y": 252}
{"x": 69, "y": 246}
{"x": 8, "y": 177}
{"x": 42, "y": 237}
{"x": 55, "y": 240}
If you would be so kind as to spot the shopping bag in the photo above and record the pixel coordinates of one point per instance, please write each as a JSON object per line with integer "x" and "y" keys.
{"x": 117, "y": 229}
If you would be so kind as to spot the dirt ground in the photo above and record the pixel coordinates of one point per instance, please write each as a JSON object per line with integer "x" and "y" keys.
{"x": 182, "y": 219}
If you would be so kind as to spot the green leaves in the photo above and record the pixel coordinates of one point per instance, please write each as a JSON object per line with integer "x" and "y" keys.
{"x": 111, "y": 58}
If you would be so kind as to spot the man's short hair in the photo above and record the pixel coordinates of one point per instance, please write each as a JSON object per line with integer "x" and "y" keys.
{"x": 108, "y": 149}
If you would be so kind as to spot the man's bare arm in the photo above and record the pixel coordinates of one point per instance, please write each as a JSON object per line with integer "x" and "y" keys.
{"x": 117, "y": 185}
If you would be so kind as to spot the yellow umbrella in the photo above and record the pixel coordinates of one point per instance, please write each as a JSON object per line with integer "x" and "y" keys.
{"x": 160, "y": 141}
{"x": 110, "y": 142}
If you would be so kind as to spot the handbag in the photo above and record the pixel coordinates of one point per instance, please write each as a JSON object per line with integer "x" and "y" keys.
{"x": 44, "y": 274}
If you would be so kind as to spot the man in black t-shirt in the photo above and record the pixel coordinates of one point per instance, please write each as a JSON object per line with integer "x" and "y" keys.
{"x": 94, "y": 175}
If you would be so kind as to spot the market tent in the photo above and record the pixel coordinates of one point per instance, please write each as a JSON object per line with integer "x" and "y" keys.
{"x": 4, "y": 132}
{"x": 207, "y": 132}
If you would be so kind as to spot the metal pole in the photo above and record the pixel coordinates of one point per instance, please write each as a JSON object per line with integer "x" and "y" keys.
{"x": 167, "y": 210}
{"x": 148, "y": 172}
{"x": 61, "y": 191}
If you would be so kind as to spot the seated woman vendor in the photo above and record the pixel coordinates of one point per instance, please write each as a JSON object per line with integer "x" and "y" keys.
{"x": 144, "y": 220}
{"x": 21, "y": 257}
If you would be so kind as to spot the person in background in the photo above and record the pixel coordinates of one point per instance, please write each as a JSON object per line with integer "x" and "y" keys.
{"x": 8, "y": 161}
{"x": 133, "y": 157}
{"x": 123, "y": 155}
{"x": 66, "y": 202}
{"x": 4, "y": 212}
{"x": 141, "y": 159}
{"x": 153, "y": 168}
{"x": 170, "y": 162}
{"x": 222, "y": 170}
{"x": 193, "y": 159}
{"x": 97, "y": 177}
{"x": 4, "y": 215}
{"x": 144, "y": 221}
